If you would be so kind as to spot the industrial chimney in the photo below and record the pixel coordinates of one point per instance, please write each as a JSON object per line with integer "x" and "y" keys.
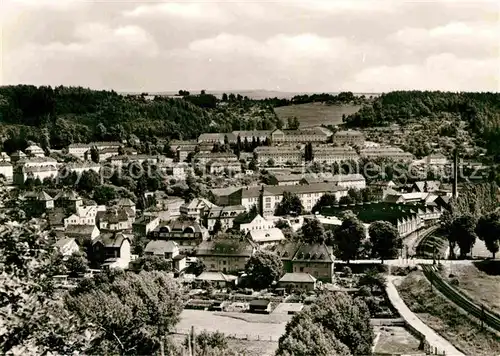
{"x": 455, "y": 173}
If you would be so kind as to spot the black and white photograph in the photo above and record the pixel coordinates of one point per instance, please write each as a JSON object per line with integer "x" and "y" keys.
{"x": 249, "y": 177}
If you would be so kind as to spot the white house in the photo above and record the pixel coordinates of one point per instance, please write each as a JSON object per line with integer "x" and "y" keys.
{"x": 85, "y": 215}
{"x": 78, "y": 149}
{"x": 34, "y": 151}
{"x": 67, "y": 246}
{"x": 258, "y": 223}
{"x": 114, "y": 250}
{"x": 196, "y": 207}
{"x": 266, "y": 237}
{"x": 6, "y": 171}
{"x": 80, "y": 167}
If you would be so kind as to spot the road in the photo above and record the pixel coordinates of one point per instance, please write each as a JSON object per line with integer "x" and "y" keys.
{"x": 435, "y": 341}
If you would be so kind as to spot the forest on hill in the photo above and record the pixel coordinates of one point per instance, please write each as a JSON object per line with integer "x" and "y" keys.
{"x": 479, "y": 111}
{"x": 57, "y": 117}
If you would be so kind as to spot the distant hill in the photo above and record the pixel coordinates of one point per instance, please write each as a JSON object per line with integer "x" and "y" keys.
{"x": 315, "y": 114}
{"x": 256, "y": 94}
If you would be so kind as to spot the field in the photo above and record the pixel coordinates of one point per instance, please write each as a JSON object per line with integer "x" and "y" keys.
{"x": 446, "y": 319}
{"x": 479, "y": 286}
{"x": 395, "y": 340}
{"x": 316, "y": 114}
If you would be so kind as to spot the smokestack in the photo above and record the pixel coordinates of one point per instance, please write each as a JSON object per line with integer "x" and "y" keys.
{"x": 455, "y": 174}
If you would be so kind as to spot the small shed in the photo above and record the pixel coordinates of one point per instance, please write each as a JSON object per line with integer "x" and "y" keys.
{"x": 260, "y": 306}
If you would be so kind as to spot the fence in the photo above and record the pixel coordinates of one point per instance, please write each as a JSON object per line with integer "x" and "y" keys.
{"x": 241, "y": 336}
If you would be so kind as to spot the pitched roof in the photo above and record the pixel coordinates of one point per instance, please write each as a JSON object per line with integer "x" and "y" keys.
{"x": 160, "y": 247}
{"x": 125, "y": 202}
{"x": 313, "y": 252}
{"x": 226, "y": 211}
{"x": 112, "y": 240}
{"x": 215, "y": 277}
{"x": 228, "y": 247}
{"x": 63, "y": 242}
{"x": 273, "y": 234}
{"x": 349, "y": 133}
{"x": 297, "y": 278}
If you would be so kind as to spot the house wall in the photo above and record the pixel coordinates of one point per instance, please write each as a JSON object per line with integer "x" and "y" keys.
{"x": 224, "y": 263}
{"x": 309, "y": 286}
{"x": 320, "y": 270}
{"x": 7, "y": 172}
{"x": 258, "y": 223}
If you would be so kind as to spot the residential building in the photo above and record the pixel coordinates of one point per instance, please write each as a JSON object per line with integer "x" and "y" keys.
{"x": 4, "y": 157}
{"x": 332, "y": 154}
{"x": 17, "y": 156}
{"x": 314, "y": 134}
{"x": 219, "y": 166}
{"x": 7, "y": 171}
{"x": 279, "y": 155}
{"x": 355, "y": 181}
{"x": 38, "y": 201}
{"x": 203, "y": 158}
{"x": 260, "y": 135}
{"x": 196, "y": 208}
{"x": 69, "y": 200}
{"x": 221, "y": 195}
{"x": 314, "y": 259}
{"x": 184, "y": 151}
{"x": 260, "y": 306}
{"x": 267, "y": 198}
{"x": 437, "y": 159}
{"x": 106, "y": 153}
{"x": 67, "y": 246}
{"x": 82, "y": 233}
{"x": 225, "y": 255}
{"x": 394, "y": 153}
{"x": 225, "y": 215}
{"x": 144, "y": 225}
{"x": 55, "y": 218}
{"x": 115, "y": 219}
{"x": 187, "y": 234}
{"x": 297, "y": 282}
{"x": 217, "y": 279}
{"x": 176, "y": 170}
{"x": 288, "y": 179}
{"x": 36, "y": 167}
{"x": 34, "y": 151}
{"x": 106, "y": 145}
{"x": 112, "y": 250}
{"x": 257, "y": 223}
{"x": 217, "y": 138}
{"x": 264, "y": 238}
{"x": 84, "y": 215}
{"x": 175, "y": 144}
{"x": 123, "y": 160}
{"x": 80, "y": 167}
{"x": 169, "y": 250}
{"x": 349, "y": 137}
{"x": 126, "y": 204}
{"x": 78, "y": 149}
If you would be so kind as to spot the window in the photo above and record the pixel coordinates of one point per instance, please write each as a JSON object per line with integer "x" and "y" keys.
{"x": 301, "y": 269}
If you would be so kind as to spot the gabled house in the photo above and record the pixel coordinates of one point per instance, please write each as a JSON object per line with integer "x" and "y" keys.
{"x": 112, "y": 250}
{"x": 82, "y": 232}
{"x": 67, "y": 246}
{"x": 196, "y": 208}
{"x": 297, "y": 281}
{"x": 225, "y": 215}
{"x": 188, "y": 234}
{"x": 314, "y": 259}
{"x": 68, "y": 200}
{"x": 115, "y": 219}
{"x": 266, "y": 237}
{"x": 34, "y": 151}
{"x": 144, "y": 225}
{"x": 426, "y": 186}
{"x": 247, "y": 223}
{"x": 168, "y": 250}
{"x": 38, "y": 201}
{"x": 230, "y": 255}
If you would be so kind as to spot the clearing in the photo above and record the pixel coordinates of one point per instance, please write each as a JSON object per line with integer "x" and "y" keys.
{"x": 316, "y": 114}
{"x": 477, "y": 285}
{"x": 446, "y": 319}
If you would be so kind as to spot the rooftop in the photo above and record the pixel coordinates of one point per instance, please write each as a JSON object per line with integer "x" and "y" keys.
{"x": 297, "y": 278}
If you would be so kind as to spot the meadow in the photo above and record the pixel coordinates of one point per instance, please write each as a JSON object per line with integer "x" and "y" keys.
{"x": 316, "y": 114}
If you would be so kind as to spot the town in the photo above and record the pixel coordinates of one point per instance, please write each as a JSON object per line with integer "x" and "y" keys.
{"x": 263, "y": 178}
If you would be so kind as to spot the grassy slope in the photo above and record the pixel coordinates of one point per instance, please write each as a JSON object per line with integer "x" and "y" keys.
{"x": 315, "y": 114}
{"x": 441, "y": 315}
{"x": 479, "y": 286}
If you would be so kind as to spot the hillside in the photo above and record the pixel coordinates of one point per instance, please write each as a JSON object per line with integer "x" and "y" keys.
{"x": 451, "y": 114}
{"x": 57, "y": 117}
{"x": 315, "y": 114}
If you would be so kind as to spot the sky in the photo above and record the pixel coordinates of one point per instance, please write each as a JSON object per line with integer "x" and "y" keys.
{"x": 293, "y": 46}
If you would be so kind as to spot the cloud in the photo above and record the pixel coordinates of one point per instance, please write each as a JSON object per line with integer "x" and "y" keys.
{"x": 438, "y": 72}
{"x": 297, "y": 45}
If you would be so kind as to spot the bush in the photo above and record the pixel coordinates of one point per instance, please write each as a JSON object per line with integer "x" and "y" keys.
{"x": 454, "y": 282}
{"x": 347, "y": 272}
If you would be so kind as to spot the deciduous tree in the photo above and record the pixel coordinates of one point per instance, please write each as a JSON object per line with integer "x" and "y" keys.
{"x": 289, "y": 204}
{"x": 348, "y": 238}
{"x": 263, "y": 268}
{"x": 385, "y": 240}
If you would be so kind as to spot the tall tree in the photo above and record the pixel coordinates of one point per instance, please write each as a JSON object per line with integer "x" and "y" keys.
{"x": 348, "y": 238}
{"x": 290, "y": 203}
{"x": 117, "y": 303}
{"x": 263, "y": 268}
{"x": 488, "y": 230}
{"x": 385, "y": 239}
{"x": 94, "y": 154}
{"x": 325, "y": 201}
{"x": 462, "y": 231}
{"x": 313, "y": 231}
